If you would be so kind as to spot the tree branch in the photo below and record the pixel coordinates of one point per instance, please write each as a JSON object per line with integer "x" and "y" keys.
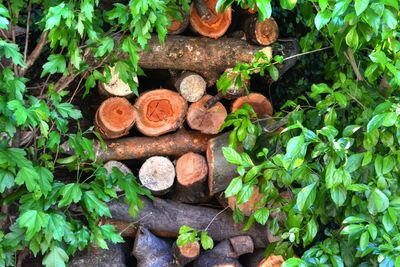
{"x": 35, "y": 53}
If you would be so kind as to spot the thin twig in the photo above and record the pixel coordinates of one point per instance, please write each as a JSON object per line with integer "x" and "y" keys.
{"x": 28, "y": 19}
{"x": 35, "y": 53}
{"x": 216, "y": 215}
{"x": 350, "y": 57}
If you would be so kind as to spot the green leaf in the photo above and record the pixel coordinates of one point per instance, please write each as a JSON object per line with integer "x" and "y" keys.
{"x": 27, "y": 176}
{"x": 360, "y": 6}
{"x": 56, "y": 226}
{"x": 33, "y": 221}
{"x": 245, "y": 193}
{"x": 329, "y": 131}
{"x": 264, "y": 9}
{"x": 234, "y": 187}
{"x": 6, "y": 180}
{"x": 44, "y": 180}
{"x": 377, "y": 202}
{"x": 294, "y": 262}
{"x": 352, "y": 38}
{"x": 56, "y": 258}
{"x": 11, "y": 51}
{"x": 389, "y": 219}
{"x": 20, "y": 112}
{"x": 94, "y": 205}
{"x": 389, "y": 19}
{"x": 364, "y": 240}
{"x": 378, "y": 57}
{"x": 206, "y": 240}
{"x": 55, "y": 64}
{"x": 322, "y": 18}
{"x": 372, "y": 230}
{"x": 70, "y": 193}
{"x": 273, "y": 72}
{"x": 288, "y": 4}
{"x": 350, "y": 129}
{"x": 339, "y": 195}
{"x": 232, "y": 156}
{"x": 311, "y": 231}
{"x": 388, "y": 164}
{"x": 306, "y": 197}
{"x": 261, "y": 215}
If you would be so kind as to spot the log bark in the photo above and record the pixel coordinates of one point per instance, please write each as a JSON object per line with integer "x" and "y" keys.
{"x": 206, "y": 21}
{"x": 190, "y": 85}
{"x": 205, "y": 120}
{"x": 166, "y": 217}
{"x": 151, "y": 251}
{"x": 178, "y": 26}
{"x": 185, "y": 254}
{"x": 174, "y": 145}
{"x": 160, "y": 111}
{"x": 248, "y": 207}
{"x": 208, "y": 58}
{"x": 261, "y": 32}
{"x": 114, "y": 256}
{"x": 226, "y": 252}
{"x": 191, "y": 179}
{"x": 157, "y": 174}
{"x": 116, "y": 87}
{"x": 114, "y": 118}
{"x": 261, "y": 105}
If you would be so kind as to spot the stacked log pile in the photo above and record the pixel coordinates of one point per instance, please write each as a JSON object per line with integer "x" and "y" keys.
{"x": 171, "y": 137}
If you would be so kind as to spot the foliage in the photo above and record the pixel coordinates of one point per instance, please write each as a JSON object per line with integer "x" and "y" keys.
{"x": 189, "y": 235}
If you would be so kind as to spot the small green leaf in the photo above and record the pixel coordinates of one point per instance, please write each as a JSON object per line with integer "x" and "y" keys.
{"x": 232, "y": 156}
{"x": 206, "y": 240}
{"x": 262, "y": 215}
{"x": 234, "y": 187}
{"x": 352, "y": 38}
{"x": 364, "y": 240}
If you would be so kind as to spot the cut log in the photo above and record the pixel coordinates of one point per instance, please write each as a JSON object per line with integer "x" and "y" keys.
{"x": 178, "y": 26}
{"x": 157, "y": 174}
{"x": 209, "y": 58}
{"x": 114, "y": 118}
{"x": 272, "y": 261}
{"x": 248, "y": 207}
{"x": 261, "y": 105}
{"x": 160, "y": 111}
{"x": 206, "y": 21}
{"x": 114, "y": 256}
{"x": 151, "y": 251}
{"x": 186, "y": 253}
{"x": 226, "y": 252}
{"x": 116, "y": 87}
{"x": 261, "y": 32}
{"x": 207, "y": 121}
{"x": 174, "y": 145}
{"x": 190, "y": 85}
{"x": 166, "y": 217}
{"x": 191, "y": 176}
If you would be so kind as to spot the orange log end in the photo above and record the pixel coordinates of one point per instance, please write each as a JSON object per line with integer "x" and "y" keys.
{"x": 191, "y": 168}
{"x": 260, "y": 104}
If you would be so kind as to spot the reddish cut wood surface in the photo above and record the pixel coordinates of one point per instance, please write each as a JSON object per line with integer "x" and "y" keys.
{"x": 115, "y": 117}
{"x": 214, "y": 27}
{"x": 160, "y": 111}
{"x": 207, "y": 121}
{"x": 272, "y": 261}
{"x": 191, "y": 168}
{"x": 261, "y": 105}
{"x": 190, "y": 250}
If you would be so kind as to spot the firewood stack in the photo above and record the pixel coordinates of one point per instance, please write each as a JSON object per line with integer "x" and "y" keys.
{"x": 171, "y": 136}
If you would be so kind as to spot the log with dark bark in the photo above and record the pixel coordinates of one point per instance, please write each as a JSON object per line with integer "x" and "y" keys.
{"x": 209, "y": 58}
{"x": 205, "y": 120}
{"x": 191, "y": 179}
{"x": 160, "y": 111}
{"x": 226, "y": 252}
{"x": 175, "y": 145}
{"x": 166, "y": 217}
{"x": 190, "y": 85}
{"x": 178, "y": 26}
{"x": 248, "y": 207}
{"x": 206, "y": 21}
{"x": 185, "y": 254}
{"x": 157, "y": 174}
{"x": 114, "y": 256}
{"x": 261, "y": 105}
{"x": 116, "y": 87}
{"x": 151, "y": 251}
{"x": 261, "y": 32}
{"x": 114, "y": 118}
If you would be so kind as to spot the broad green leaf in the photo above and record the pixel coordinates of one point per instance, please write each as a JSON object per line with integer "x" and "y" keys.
{"x": 364, "y": 240}
{"x": 339, "y": 195}
{"x": 234, "y": 187}
{"x": 377, "y": 202}
{"x": 245, "y": 193}
{"x": 352, "y": 38}
{"x": 306, "y": 197}
{"x": 389, "y": 19}
{"x": 6, "y": 180}
{"x": 378, "y": 57}
{"x": 322, "y": 18}
{"x": 261, "y": 215}
{"x": 33, "y": 221}
{"x": 360, "y": 6}
{"x": 70, "y": 193}
{"x": 56, "y": 226}
{"x": 206, "y": 241}
{"x": 94, "y": 205}
{"x": 27, "y": 176}
{"x": 232, "y": 156}
{"x": 56, "y": 258}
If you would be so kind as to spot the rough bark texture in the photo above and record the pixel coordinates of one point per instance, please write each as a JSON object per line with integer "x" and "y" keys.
{"x": 226, "y": 252}
{"x": 175, "y": 144}
{"x": 157, "y": 174}
{"x": 160, "y": 111}
{"x": 116, "y": 87}
{"x": 190, "y": 85}
{"x": 261, "y": 105}
{"x": 185, "y": 254}
{"x": 151, "y": 251}
{"x": 205, "y": 20}
{"x": 97, "y": 257}
{"x": 114, "y": 118}
{"x": 191, "y": 179}
{"x": 205, "y": 120}
{"x": 207, "y": 57}
{"x": 261, "y": 32}
{"x": 166, "y": 217}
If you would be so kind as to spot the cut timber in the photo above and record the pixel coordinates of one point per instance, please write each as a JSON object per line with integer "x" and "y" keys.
{"x": 186, "y": 253}
{"x": 205, "y": 120}
{"x": 261, "y": 105}
{"x": 116, "y": 87}
{"x": 261, "y": 32}
{"x": 248, "y": 207}
{"x": 114, "y": 118}
{"x": 178, "y": 26}
{"x": 209, "y": 58}
{"x": 191, "y": 175}
{"x": 212, "y": 25}
{"x": 272, "y": 261}
{"x": 160, "y": 111}
{"x": 226, "y": 252}
{"x": 166, "y": 217}
{"x": 151, "y": 251}
{"x": 157, "y": 174}
{"x": 175, "y": 145}
{"x": 190, "y": 85}
{"x": 114, "y": 256}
